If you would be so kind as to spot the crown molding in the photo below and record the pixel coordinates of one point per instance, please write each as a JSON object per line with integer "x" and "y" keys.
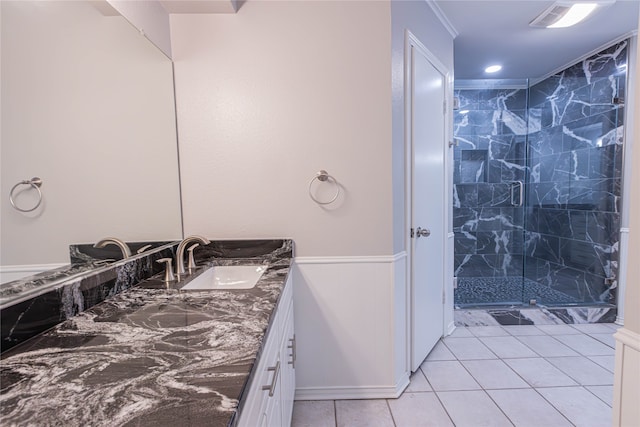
{"x": 443, "y": 18}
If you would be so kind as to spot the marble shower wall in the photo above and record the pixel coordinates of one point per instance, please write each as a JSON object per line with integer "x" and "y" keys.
{"x": 563, "y": 138}
{"x": 575, "y": 171}
{"x": 491, "y": 128}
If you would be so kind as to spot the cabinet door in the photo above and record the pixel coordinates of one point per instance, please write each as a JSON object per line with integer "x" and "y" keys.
{"x": 258, "y": 398}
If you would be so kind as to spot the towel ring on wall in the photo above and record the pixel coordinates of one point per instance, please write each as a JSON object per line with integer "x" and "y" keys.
{"x": 35, "y": 183}
{"x": 323, "y": 176}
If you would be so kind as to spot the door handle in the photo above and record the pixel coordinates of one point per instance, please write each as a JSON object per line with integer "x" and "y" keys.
{"x": 423, "y": 232}
{"x": 520, "y": 193}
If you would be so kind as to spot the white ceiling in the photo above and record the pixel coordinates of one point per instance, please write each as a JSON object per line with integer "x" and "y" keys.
{"x": 498, "y": 31}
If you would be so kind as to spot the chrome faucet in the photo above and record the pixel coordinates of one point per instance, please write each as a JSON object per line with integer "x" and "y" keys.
{"x": 126, "y": 252}
{"x": 180, "y": 252}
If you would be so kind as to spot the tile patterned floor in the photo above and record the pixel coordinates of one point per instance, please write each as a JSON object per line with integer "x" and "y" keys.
{"x": 522, "y": 375}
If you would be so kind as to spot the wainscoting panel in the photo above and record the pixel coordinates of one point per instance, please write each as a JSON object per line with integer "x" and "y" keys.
{"x": 351, "y": 327}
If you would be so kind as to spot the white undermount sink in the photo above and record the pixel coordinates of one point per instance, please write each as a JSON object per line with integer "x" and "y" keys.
{"x": 227, "y": 277}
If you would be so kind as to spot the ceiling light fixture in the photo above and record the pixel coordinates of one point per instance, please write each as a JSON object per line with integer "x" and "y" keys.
{"x": 564, "y": 14}
{"x": 493, "y": 68}
{"x": 575, "y": 14}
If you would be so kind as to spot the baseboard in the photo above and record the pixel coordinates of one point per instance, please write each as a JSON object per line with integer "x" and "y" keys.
{"x": 364, "y": 392}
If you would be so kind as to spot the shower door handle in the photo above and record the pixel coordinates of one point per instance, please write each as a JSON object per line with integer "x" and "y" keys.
{"x": 520, "y": 191}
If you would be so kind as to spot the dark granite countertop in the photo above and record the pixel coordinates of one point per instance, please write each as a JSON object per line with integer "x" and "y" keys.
{"x": 149, "y": 356}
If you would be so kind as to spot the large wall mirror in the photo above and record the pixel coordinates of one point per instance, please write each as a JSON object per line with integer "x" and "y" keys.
{"x": 88, "y": 107}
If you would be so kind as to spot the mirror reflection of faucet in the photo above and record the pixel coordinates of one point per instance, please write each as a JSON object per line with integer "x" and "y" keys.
{"x": 168, "y": 272}
{"x": 126, "y": 252}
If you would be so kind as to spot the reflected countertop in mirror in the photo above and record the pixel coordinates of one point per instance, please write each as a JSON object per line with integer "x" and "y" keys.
{"x": 88, "y": 106}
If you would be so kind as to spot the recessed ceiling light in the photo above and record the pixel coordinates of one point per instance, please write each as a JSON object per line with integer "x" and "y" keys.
{"x": 575, "y": 14}
{"x": 493, "y": 68}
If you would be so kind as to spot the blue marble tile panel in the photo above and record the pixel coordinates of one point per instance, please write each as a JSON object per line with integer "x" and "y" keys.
{"x": 602, "y": 227}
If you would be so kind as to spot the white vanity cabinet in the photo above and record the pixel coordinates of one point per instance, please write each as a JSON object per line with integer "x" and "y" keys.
{"x": 269, "y": 402}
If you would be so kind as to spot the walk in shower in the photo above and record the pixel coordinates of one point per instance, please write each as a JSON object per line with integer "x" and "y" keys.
{"x": 537, "y": 186}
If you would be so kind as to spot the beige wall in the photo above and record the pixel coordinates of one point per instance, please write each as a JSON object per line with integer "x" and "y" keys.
{"x": 87, "y": 105}
{"x": 269, "y": 96}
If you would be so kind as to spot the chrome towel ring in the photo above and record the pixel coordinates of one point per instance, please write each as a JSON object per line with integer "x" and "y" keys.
{"x": 323, "y": 176}
{"x": 35, "y": 183}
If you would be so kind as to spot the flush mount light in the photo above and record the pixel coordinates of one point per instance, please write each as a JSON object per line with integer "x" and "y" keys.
{"x": 493, "y": 68}
{"x": 575, "y": 14}
{"x": 564, "y": 14}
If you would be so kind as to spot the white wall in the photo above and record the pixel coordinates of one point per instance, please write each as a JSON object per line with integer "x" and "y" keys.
{"x": 87, "y": 105}
{"x": 269, "y": 96}
{"x": 626, "y": 411}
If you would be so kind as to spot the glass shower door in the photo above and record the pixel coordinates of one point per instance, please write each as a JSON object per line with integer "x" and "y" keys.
{"x": 490, "y": 128}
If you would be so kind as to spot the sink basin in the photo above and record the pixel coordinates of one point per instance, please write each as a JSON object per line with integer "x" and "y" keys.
{"x": 227, "y": 277}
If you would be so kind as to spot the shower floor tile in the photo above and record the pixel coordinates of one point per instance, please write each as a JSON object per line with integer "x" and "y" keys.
{"x": 505, "y": 291}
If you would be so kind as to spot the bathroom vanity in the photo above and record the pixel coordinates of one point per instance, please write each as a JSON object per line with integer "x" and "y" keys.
{"x": 157, "y": 354}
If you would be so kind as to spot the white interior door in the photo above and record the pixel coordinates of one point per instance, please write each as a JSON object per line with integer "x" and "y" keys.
{"x": 428, "y": 86}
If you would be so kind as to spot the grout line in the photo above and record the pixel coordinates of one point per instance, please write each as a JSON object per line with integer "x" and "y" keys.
{"x": 554, "y": 407}
{"x": 585, "y": 387}
{"x": 393, "y": 420}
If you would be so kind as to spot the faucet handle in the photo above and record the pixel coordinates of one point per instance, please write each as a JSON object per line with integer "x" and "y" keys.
{"x": 168, "y": 272}
{"x": 192, "y": 261}
{"x": 142, "y": 249}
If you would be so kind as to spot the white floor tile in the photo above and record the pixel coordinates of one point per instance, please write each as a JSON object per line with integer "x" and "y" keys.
{"x": 494, "y": 374}
{"x": 488, "y": 331}
{"x": 521, "y": 330}
{"x": 363, "y": 413}
{"x": 607, "y": 362}
{"x": 461, "y": 332}
{"x": 540, "y": 373}
{"x": 320, "y": 413}
{"x": 526, "y": 408}
{"x": 582, "y": 370}
{"x": 606, "y": 339}
{"x": 473, "y": 409}
{"x": 558, "y": 329}
{"x": 580, "y": 406}
{"x": 604, "y": 392}
{"x": 592, "y": 328}
{"x": 586, "y": 345}
{"x": 612, "y": 326}
{"x": 419, "y": 410}
{"x": 448, "y": 375}
{"x": 507, "y": 347}
{"x": 468, "y": 348}
{"x": 418, "y": 383}
{"x": 440, "y": 352}
{"x": 547, "y": 346}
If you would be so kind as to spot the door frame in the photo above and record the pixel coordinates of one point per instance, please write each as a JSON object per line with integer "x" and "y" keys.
{"x": 412, "y": 41}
